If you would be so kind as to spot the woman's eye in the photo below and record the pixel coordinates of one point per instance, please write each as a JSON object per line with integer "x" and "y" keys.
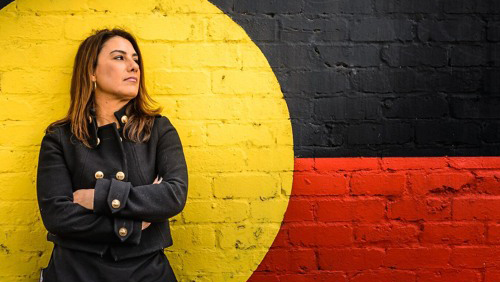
{"x": 137, "y": 61}
{"x": 119, "y": 57}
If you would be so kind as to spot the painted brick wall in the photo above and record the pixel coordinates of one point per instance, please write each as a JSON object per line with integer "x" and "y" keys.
{"x": 389, "y": 219}
{"x": 394, "y": 109}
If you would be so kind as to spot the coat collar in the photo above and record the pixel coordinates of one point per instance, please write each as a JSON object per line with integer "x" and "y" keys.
{"x": 120, "y": 115}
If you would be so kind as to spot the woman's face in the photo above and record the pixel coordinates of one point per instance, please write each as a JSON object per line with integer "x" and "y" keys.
{"x": 117, "y": 72}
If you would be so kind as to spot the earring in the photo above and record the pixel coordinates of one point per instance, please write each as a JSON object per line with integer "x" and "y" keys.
{"x": 95, "y": 85}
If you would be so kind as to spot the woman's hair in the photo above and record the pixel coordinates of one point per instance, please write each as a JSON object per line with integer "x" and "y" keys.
{"x": 140, "y": 110}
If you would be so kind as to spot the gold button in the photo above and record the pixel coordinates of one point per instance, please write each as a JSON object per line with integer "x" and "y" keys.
{"x": 98, "y": 141}
{"x": 123, "y": 231}
{"x": 115, "y": 203}
{"x": 99, "y": 175}
{"x": 90, "y": 119}
{"x": 120, "y": 175}
{"x": 124, "y": 119}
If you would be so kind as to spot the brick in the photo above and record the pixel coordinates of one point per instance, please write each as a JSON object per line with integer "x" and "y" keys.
{"x": 314, "y": 82}
{"x": 386, "y": 81}
{"x": 350, "y": 259}
{"x": 339, "y": 108}
{"x": 194, "y": 236}
{"x": 259, "y": 210}
{"x": 315, "y": 235}
{"x": 422, "y": 106}
{"x": 345, "y": 164}
{"x": 294, "y": 261}
{"x": 463, "y": 29}
{"x": 289, "y": 56}
{"x": 352, "y": 56}
{"x": 173, "y": 28}
{"x": 223, "y": 28}
{"x": 411, "y": 56}
{"x": 415, "y": 258}
{"x": 298, "y": 29}
{"x": 423, "y": 183}
{"x": 391, "y": 132}
{"x": 476, "y": 207}
{"x": 418, "y": 209}
{"x": 339, "y": 7}
{"x": 493, "y": 233}
{"x": 299, "y": 210}
{"x": 245, "y": 185}
{"x": 492, "y": 275}
{"x": 304, "y": 164}
{"x": 236, "y": 82}
{"x": 390, "y": 234}
{"x": 212, "y": 211}
{"x": 245, "y": 236}
{"x": 493, "y": 31}
{"x": 260, "y": 28}
{"x": 460, "y": 80}
{"x": 469, "y": 56}
{"x": 413, "y": 163}
{"x": 455, "y": 275}
{"x": 384, "y": 275}
{"x": 491, "y": 132}
{"x": 351, "y": 209}
{"x": 28, "y": 82}
{"x": 487, "y": 182}
{"x": 319, "y": 184}
{"x": 485, "y": 162}
{"x": 207, "y": 55}
{"x": 406, "y": 6}
{"x": 17, "y": 186}
{"x": 336, "y": 276}
{"x": 475, "y": 257}
{"x": 216, "y": 159}
{"x": 256, "y": 134}
{"x": 377, "y": 183}
{"x": 447, "y": 132}
{"x": 178, "y": 82}
{"x": 260, "y": 6}
{"x": 453, "y": 233}
{"x": 478, "y": 107}
{"x": 381, "y": 29}
{"x": 264, "y": 277}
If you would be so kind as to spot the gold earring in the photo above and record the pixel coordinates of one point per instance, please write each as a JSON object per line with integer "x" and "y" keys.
{"x": 95, "y": 85}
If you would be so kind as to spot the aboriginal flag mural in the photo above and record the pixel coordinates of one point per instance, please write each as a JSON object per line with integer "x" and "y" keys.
{"x": 392, "y": 115}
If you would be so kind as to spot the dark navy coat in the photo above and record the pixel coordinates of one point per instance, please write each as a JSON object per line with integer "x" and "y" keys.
{"x": 122, "y": 173}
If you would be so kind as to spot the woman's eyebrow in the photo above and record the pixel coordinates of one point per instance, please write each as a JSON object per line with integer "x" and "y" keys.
{"x": 123, "y": 52}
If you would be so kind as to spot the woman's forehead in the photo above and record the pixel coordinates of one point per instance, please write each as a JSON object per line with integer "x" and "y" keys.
{"x": 118, "y": 43}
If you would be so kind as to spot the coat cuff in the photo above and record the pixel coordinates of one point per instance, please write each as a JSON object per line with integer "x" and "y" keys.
{"x": 118, "y": 195}
{"x": 128, "y": 230}
{"x": 101, "y": 191}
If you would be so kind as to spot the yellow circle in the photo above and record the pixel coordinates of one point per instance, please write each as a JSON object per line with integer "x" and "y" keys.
{"x": 215, "y": 86}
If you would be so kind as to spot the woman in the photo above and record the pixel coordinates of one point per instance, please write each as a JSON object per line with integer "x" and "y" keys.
{"x": 111, "y": 172}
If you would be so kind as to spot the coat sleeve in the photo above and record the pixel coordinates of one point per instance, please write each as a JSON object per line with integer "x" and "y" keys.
{"x": 60, "y": 215}
{"x": 152, "y": 202}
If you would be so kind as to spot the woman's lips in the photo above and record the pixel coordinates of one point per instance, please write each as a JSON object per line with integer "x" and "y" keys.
{"x": 132, "y": 79}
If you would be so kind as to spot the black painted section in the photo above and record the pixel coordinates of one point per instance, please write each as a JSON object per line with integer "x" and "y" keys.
{"x": 382, "y": 77}
{"x": 4, "y": 3}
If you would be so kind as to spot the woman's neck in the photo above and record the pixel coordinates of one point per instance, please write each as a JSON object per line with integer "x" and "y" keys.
{"x": 105, "y": 110}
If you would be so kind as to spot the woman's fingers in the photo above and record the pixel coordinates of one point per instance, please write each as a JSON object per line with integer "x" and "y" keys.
{"x": 145, "y": 224}
{"x": 157, "y": 181}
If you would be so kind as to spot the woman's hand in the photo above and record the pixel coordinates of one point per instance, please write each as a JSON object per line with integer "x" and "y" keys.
{"x": 85, "y": 198}
{"x": 146, "y": 224}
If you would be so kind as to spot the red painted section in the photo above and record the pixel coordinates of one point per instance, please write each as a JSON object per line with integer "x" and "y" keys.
{"x": 389, "y": 219}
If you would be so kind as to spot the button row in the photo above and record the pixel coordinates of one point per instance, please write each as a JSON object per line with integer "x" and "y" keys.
{"x": 119, "y": 175}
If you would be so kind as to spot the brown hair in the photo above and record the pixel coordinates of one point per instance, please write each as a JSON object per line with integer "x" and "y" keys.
{"x": 140, "y": 110}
